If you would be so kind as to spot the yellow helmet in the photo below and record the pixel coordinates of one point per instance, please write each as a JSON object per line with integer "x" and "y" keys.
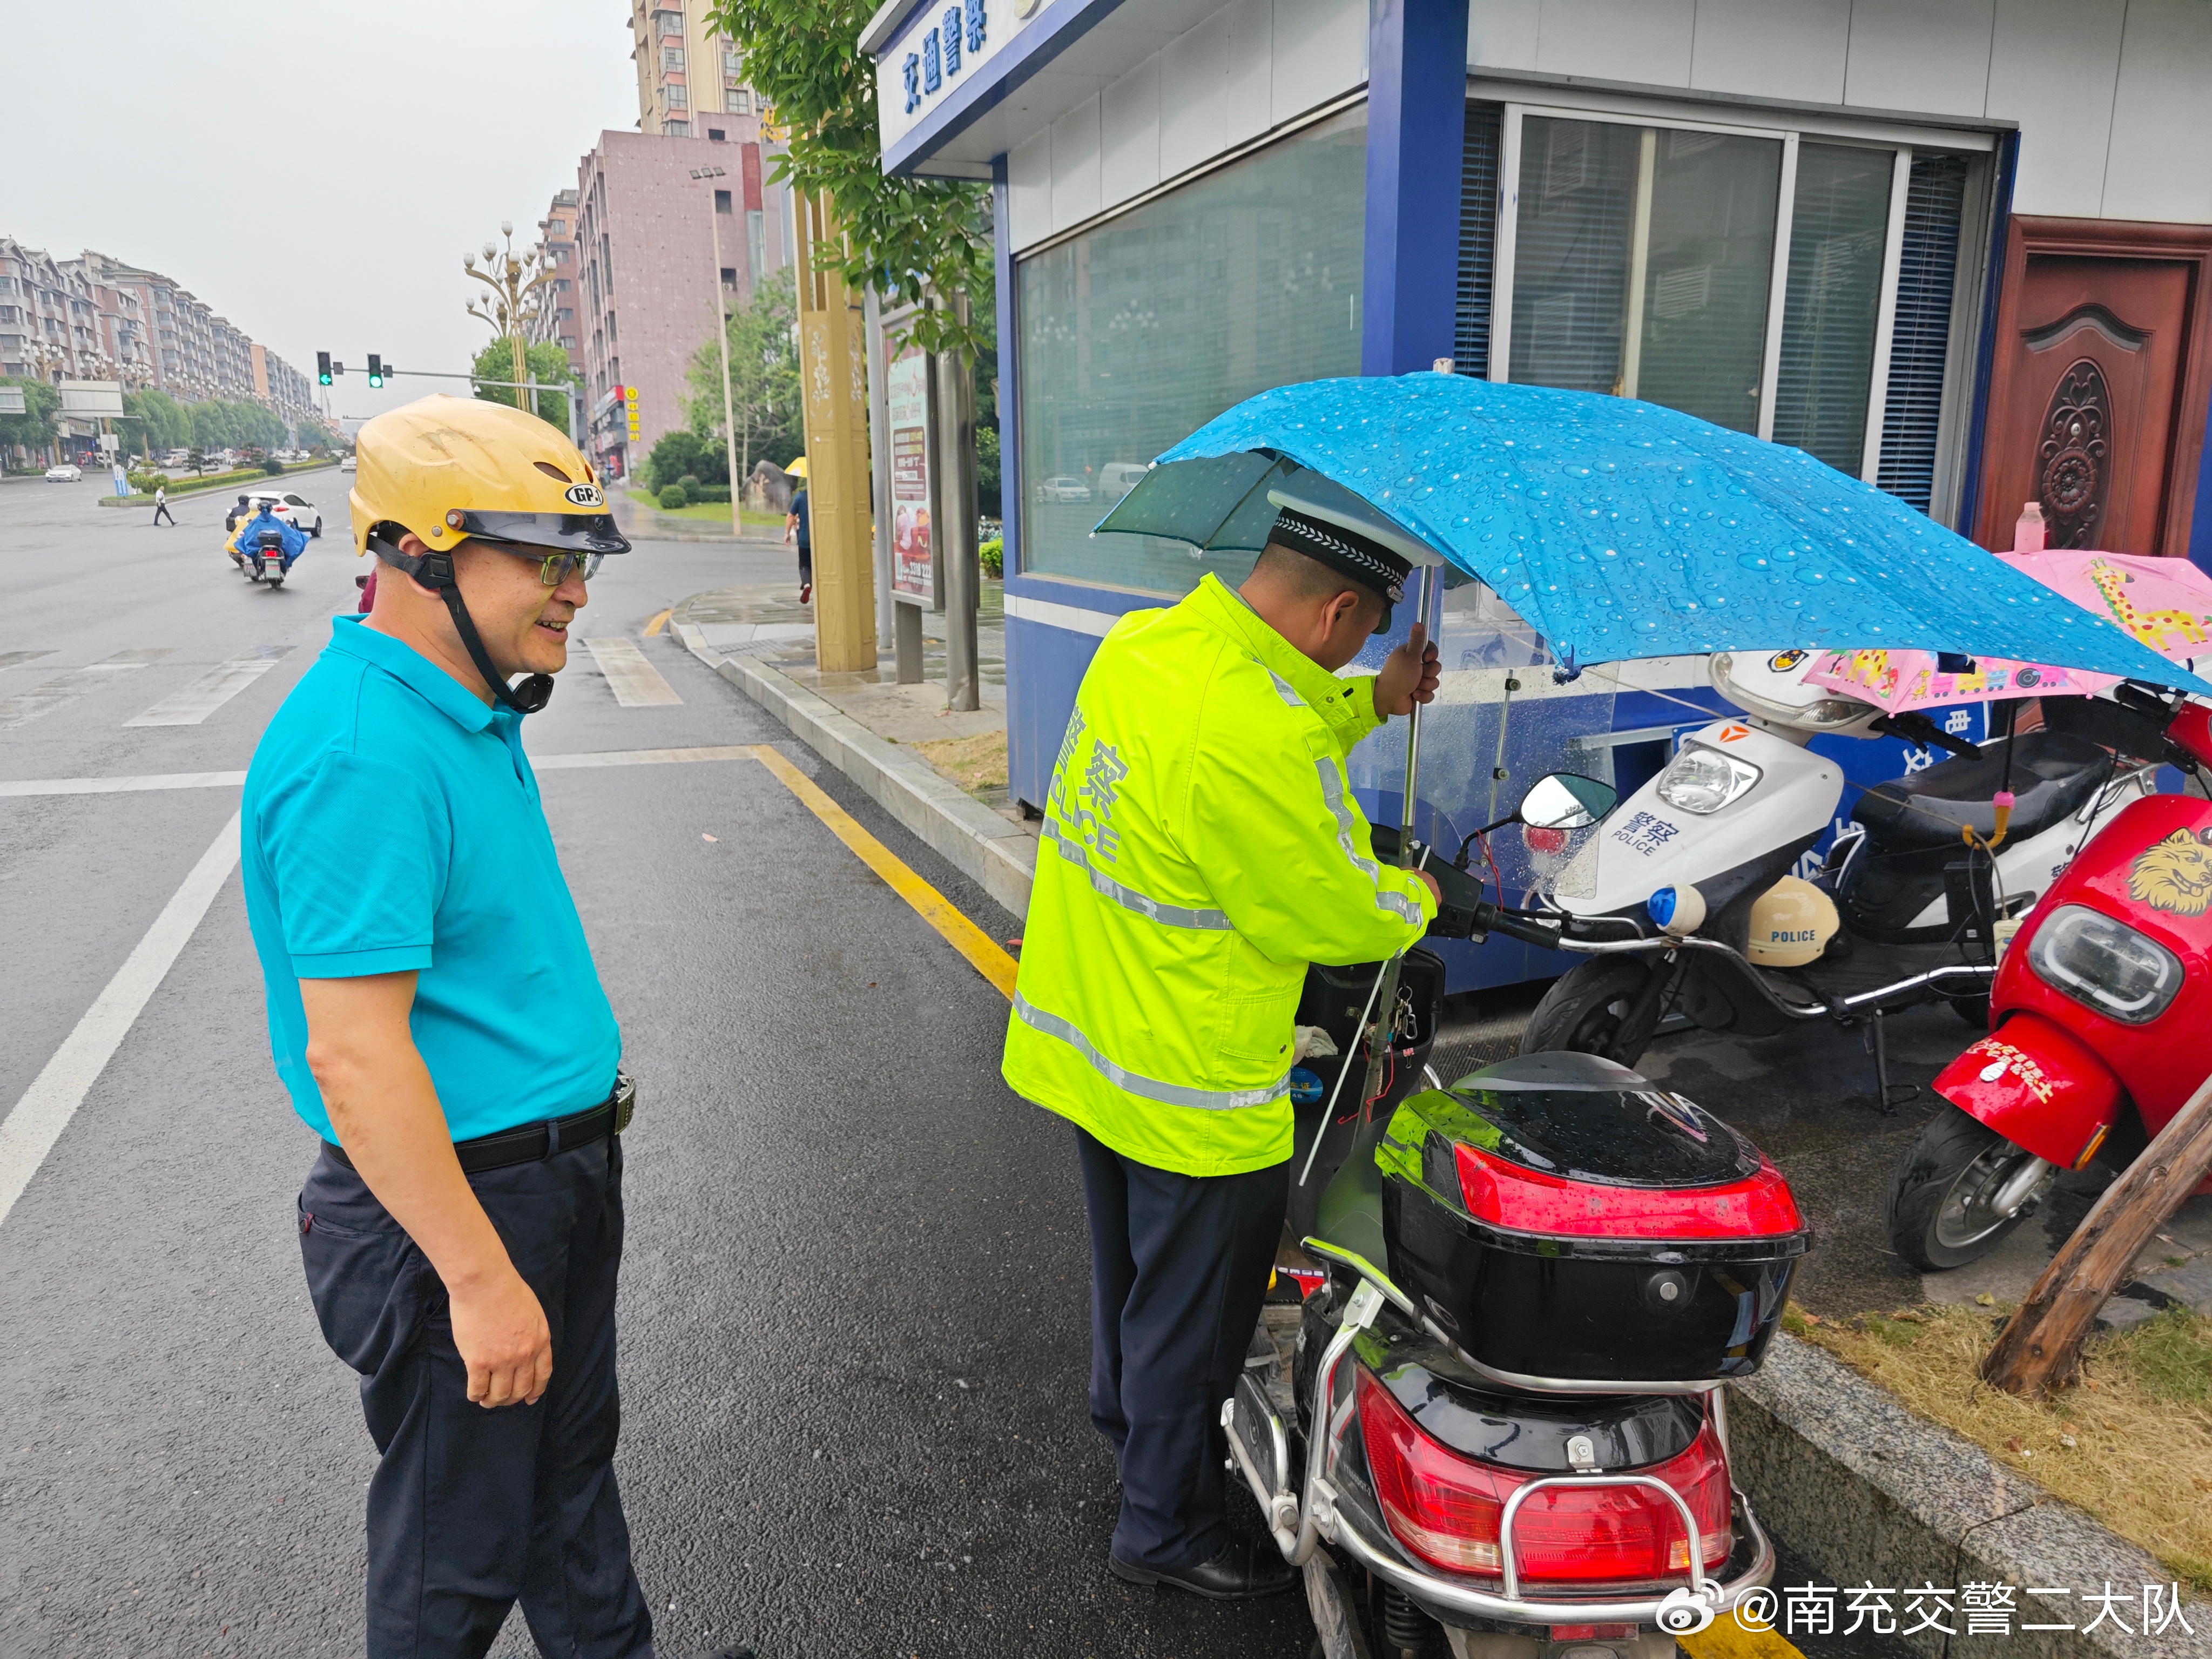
{"x": 452, "y": 468}
{"x": 1791, "y": 923}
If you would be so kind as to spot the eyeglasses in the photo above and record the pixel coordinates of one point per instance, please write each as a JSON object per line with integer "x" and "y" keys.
{"x": 557, "y": 567}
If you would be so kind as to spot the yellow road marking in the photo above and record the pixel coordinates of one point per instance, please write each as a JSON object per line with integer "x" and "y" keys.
{"x": 982, "y": 951}
{"x": 658, "y": 622}
{"x": 1725, "y": 1639}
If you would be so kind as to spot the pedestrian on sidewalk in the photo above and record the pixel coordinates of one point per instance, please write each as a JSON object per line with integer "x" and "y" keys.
{"x": 1201, "y": 848}
{"x": 435, "y": 1014}
{"x": 798, "y": 521}
{"x": 162, "y": 505}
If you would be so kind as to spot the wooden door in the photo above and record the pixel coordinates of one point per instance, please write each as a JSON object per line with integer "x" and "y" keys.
{"x": 2091, "y": 410}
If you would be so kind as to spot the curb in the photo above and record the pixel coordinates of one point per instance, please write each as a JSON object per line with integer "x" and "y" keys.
{"x": 1866, "y": 1493}
{"x": 998, "y": 856}
{"x": 207, "y": 489}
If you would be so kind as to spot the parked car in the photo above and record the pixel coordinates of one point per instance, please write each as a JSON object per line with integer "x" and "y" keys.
{"x": 177, "y": 458}
{"x": 1062, "y": 490}
{"x": 288, "y": 505}
{"x": 66, "y": 472}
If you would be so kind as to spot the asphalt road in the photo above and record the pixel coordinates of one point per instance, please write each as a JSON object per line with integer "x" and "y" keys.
{"x": 855, "y": 1339}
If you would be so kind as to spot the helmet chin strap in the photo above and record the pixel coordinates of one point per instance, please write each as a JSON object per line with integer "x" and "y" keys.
{"x": 435, "y": 572}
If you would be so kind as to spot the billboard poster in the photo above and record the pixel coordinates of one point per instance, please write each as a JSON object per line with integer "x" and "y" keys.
{"x": 906, "y": 394}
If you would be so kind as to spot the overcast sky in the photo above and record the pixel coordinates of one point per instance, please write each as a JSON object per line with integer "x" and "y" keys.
{"x": 312, "y": 170}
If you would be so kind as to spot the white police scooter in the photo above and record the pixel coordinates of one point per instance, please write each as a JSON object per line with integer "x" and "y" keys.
{"x": 1701, "y": 862}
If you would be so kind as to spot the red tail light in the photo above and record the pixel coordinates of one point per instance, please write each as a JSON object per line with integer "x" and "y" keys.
{"x": 1504, "y": 1192}
{"x": 1446, "y": 1507}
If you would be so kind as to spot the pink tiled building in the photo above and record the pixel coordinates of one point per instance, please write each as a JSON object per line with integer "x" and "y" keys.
{"x": 645, "y": 276}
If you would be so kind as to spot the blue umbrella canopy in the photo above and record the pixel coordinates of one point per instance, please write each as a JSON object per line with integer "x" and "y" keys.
{"x": 1617, "y": 529}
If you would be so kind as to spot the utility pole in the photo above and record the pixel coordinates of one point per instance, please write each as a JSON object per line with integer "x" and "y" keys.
{"x": 834, "y": 375}
{"x": 722, "y": 339}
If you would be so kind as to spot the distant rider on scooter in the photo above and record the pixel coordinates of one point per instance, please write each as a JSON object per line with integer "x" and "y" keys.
{"x": 249, "y": 534}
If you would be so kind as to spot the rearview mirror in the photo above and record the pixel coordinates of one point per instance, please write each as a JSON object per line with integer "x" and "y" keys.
{"x": 1566, "y": 801}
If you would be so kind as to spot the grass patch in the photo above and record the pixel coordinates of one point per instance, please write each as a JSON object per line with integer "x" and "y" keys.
{"x": 977, "y": 764}
{"x": 2131, "y": 1443}
{"x": 707, "y": 511}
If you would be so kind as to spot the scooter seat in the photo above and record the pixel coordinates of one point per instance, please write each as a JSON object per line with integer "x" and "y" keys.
{"x": 2052, "y": 776}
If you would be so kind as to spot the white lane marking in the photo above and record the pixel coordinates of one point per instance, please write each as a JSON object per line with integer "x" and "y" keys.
{"x": 637, "y": 683}
{"x": 9, "y": 658}
{"x": 639, "y": 758}
{"x": 213, "y": 688}
{"x": 121, "y": 785}
{"x": 29, "y": 1132}
{"x": 51, "y": 694}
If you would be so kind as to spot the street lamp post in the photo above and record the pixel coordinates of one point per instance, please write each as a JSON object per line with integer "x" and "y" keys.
{"x": 514, "y": 280}
{"x": 722, "y": 339}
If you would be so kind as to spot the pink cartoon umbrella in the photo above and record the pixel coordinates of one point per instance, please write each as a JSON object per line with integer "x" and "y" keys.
{"x": 2166, "y": 604}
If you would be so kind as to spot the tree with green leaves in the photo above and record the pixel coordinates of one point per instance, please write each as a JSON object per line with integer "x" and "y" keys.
{"x": 764, "y": 399}
{"x": 34, "y": 428}
{"x": 547, "y": 361}
{"x": 931, "y": 236}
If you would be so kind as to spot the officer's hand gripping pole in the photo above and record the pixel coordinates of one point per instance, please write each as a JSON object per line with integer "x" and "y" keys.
{"x": 1385, "y": 988}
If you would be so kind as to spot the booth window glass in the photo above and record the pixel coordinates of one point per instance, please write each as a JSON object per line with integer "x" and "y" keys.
{"x": 1640, "y": 259}
{"x": 1643, "y": 262}
{"x": 1136, "y": 333}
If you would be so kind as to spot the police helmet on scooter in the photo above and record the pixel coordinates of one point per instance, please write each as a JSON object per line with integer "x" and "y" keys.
{"x": 452, "y": 469}
{"x": 1791, "y": 923}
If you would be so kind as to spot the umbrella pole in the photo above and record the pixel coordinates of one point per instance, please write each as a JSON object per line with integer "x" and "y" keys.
{"x": 1386, "y": 1015}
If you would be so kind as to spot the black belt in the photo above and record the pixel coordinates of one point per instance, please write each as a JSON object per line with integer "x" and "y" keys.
{"x": 533, "y": 1142}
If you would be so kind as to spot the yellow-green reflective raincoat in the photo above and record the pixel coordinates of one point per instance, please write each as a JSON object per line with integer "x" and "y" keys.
{"x": 1200, "y": 847}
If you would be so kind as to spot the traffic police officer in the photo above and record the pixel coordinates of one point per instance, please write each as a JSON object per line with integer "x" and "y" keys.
{"x": 434, "y": 1012}
{"x": 1201, "y": 847}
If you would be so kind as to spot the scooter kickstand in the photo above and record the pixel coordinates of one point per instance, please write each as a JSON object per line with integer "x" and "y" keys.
{"x": 1888, "y": 1096}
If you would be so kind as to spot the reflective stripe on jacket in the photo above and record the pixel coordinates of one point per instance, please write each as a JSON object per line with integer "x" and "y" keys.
{"x": 1200, "y": 847}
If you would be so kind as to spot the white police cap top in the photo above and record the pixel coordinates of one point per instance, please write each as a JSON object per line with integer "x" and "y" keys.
{"x": 1335, "y": 505}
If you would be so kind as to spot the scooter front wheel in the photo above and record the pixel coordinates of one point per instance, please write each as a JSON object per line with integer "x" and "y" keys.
{"x": 1587, "y": 1009}
{"x": 1941, "y": 1212}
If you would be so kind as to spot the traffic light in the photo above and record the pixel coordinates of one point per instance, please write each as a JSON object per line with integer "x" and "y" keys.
{"x": 323, "y": 366}
{"x": 375, "y": 369}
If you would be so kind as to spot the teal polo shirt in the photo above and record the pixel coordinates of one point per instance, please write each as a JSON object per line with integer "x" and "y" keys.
{"x": 392, "y": 824}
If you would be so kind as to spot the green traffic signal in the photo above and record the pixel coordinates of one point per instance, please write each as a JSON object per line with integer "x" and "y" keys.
{"x": 375, "y": 369}
{"x": 323, "y": 366}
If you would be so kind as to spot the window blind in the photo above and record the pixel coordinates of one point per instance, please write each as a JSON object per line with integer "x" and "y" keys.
{"x": 1478, "y": 240}
{"x": 1920, "y": 343}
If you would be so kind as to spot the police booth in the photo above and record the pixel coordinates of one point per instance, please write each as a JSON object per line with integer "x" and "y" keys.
{"x": 1792, "y": 226}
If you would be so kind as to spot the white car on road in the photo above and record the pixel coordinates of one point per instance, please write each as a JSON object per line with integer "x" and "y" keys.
{"x": 1063, "y": 489}
{"x": 65, "y": 473}
{"x": 288, "y": 505}
{"x": 346, "y": 465}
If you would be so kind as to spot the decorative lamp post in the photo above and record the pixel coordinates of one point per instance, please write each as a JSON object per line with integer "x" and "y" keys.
{"x": 515, "y": 280}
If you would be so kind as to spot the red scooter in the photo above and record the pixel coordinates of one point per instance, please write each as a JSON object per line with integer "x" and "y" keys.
{"x": 2097, "y": 1020}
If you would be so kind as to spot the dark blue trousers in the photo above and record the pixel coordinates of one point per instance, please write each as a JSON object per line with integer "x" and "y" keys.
{"x": 1178, "y": 1270}
{"x": 470, "y": 1510}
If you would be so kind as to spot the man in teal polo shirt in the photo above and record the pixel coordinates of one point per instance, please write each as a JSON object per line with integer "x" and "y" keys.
{"x": 434, "y": 1012}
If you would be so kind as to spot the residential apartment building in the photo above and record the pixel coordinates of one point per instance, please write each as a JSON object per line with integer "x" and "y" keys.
{"x": 688, "y": 77}
{"x": 97, "y": 317}
{"x": 556, "y": 319}
{"x": 647, "y": 275}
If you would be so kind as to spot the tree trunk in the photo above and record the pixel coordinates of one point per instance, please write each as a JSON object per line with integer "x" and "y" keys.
{"x": 2041, "y": 1347}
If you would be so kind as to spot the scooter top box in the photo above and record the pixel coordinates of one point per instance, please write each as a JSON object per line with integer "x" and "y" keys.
{"x": 1563, "y": 1219}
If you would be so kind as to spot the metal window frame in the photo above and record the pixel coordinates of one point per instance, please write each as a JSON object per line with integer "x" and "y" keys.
{"x": 1903, "y": 138}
